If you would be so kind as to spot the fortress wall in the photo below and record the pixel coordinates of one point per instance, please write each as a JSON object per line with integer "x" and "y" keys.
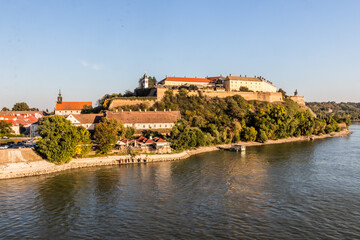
{"x": 259, "y": 96}
{"x": 124, "y": 102}
{"x": 299, "y": 100}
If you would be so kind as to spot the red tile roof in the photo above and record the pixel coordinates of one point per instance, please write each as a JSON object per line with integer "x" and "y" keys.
{"x": 160, "y": 140}
{"x": 185, "y": 79}
{"x": 21, "y": 119}
{"x": 88, "y": 118}
{"x": 72, "y": 105}
{"x": 145, "y": 117}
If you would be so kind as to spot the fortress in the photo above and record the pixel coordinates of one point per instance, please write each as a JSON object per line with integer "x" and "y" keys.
{"x": 250, "y": 88}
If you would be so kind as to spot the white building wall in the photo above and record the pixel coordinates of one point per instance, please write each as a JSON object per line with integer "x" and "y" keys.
{"x": 150, "y": 125}
{"x": 67, "y": 112}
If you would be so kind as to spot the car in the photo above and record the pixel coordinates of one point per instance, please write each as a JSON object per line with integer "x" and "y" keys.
{"x": 5, "y": 137}
{"x": 4, "y": 147}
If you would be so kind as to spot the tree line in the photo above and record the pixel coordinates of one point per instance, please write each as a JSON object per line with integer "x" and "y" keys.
{"x": 339, "y": 111}
{"x": 207, "y": 121}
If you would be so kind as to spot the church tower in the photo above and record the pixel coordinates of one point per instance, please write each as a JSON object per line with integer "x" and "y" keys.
{"x": 59, "y": 98}
{"x": 144, "y": 81}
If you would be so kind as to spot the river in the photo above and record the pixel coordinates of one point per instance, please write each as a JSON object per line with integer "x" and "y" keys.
{"x": 304, "y": 190}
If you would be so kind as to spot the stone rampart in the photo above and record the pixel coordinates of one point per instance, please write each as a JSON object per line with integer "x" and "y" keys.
{"x": 259, "y": 96}
{"x": 298, "y": 99}
{"x": 118, "y": 102}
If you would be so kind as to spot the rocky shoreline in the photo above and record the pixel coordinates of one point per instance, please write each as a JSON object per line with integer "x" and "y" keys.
{"x": 34, "y": 168}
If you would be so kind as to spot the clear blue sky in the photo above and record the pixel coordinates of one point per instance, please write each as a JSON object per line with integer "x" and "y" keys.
{"x": 90, "y": 48}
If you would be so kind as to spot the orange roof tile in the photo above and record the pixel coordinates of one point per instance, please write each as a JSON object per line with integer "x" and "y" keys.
{"x": 72, "y": 105}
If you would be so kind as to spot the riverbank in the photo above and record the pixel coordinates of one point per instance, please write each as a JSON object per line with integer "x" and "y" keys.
{"x": 32, "y": 167}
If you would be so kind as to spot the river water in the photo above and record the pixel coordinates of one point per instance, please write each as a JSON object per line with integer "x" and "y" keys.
{"x": 307, "y": 190}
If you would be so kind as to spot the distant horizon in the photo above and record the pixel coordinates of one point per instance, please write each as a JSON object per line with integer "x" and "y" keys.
{"x": 89, "y": 49}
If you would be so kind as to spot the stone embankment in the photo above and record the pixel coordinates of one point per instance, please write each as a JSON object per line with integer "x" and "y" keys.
{"x": 22, "y": 163}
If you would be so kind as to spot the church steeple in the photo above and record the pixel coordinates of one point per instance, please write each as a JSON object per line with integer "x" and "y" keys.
{"x": 59, "y": 98}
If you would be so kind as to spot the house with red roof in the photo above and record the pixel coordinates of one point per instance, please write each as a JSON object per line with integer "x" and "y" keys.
{"x": 26, "y": 119}
{"x": 66, "y": 108}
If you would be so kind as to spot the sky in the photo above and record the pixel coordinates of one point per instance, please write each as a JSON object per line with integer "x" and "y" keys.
{"x": 90, "y": 48}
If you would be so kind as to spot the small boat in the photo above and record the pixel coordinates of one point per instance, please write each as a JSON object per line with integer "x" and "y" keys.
{"x": 238, "y": 147}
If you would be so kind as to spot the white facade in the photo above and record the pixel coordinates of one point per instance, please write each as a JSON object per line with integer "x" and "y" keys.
{"x": 149, "y": 125}
{"x": 253, "y": 84}
{"x": 67, "y": 112}
{"x": 75, "y": 122}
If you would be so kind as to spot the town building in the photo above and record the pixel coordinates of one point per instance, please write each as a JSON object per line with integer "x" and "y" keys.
{"x": 255, "y": 84}
{"x": 184, "y": 81}
{"x": 87, "y": 121}
{"x": 146, "y": 120}
{"x": 22, "y": 122}
{"x": 66, "y": 108}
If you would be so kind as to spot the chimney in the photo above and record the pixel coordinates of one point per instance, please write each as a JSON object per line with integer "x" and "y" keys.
{"x": 140, "y": 110}
{"x": 164, "y": 110}
{"x": 245, "y": 75}
{"x": 130, "y": 110}
{"x": 230, "y": 74}
{"x": 155, "y": 110}
{"x": 122, "y": 110}
{"x": 144, "y": 110}
{"x": 169, "y": 110}
{"x": 116, "y": 110}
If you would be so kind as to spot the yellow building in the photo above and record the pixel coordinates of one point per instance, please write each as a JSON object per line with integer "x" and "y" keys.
{"x": 255, "y": 84}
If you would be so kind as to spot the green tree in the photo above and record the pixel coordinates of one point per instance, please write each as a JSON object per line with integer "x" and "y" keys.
{"x": 129, "y": 132}
{"x": 87, "y": 109}
{"x": 22, "y": 106}
{"x": 249, "y": 134}
{"x": 84, "y": 144}
{"x": 5, "y": 109}
{"x": 59, "y": 139}
{"x": 5, "y": 127}
{"x": 244, "y": 89}
{"x": 107, "y": 133}
{"x": 262, "y": 136}
{"x": 282, "y": 92}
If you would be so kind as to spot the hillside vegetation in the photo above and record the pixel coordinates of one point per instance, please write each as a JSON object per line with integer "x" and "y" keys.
{"x": 341, "y": 110}
{"x": 206, "y": 121}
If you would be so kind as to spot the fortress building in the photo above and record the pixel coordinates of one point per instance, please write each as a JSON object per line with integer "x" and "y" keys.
{"x": 66, "y": 108}
{"x": 184, "y": 81}
{"x": 255, "y": 84}
{"x": 230, "y": 83}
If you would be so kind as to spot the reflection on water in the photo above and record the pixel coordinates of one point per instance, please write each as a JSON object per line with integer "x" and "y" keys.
{"x": 307, "y": 190}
